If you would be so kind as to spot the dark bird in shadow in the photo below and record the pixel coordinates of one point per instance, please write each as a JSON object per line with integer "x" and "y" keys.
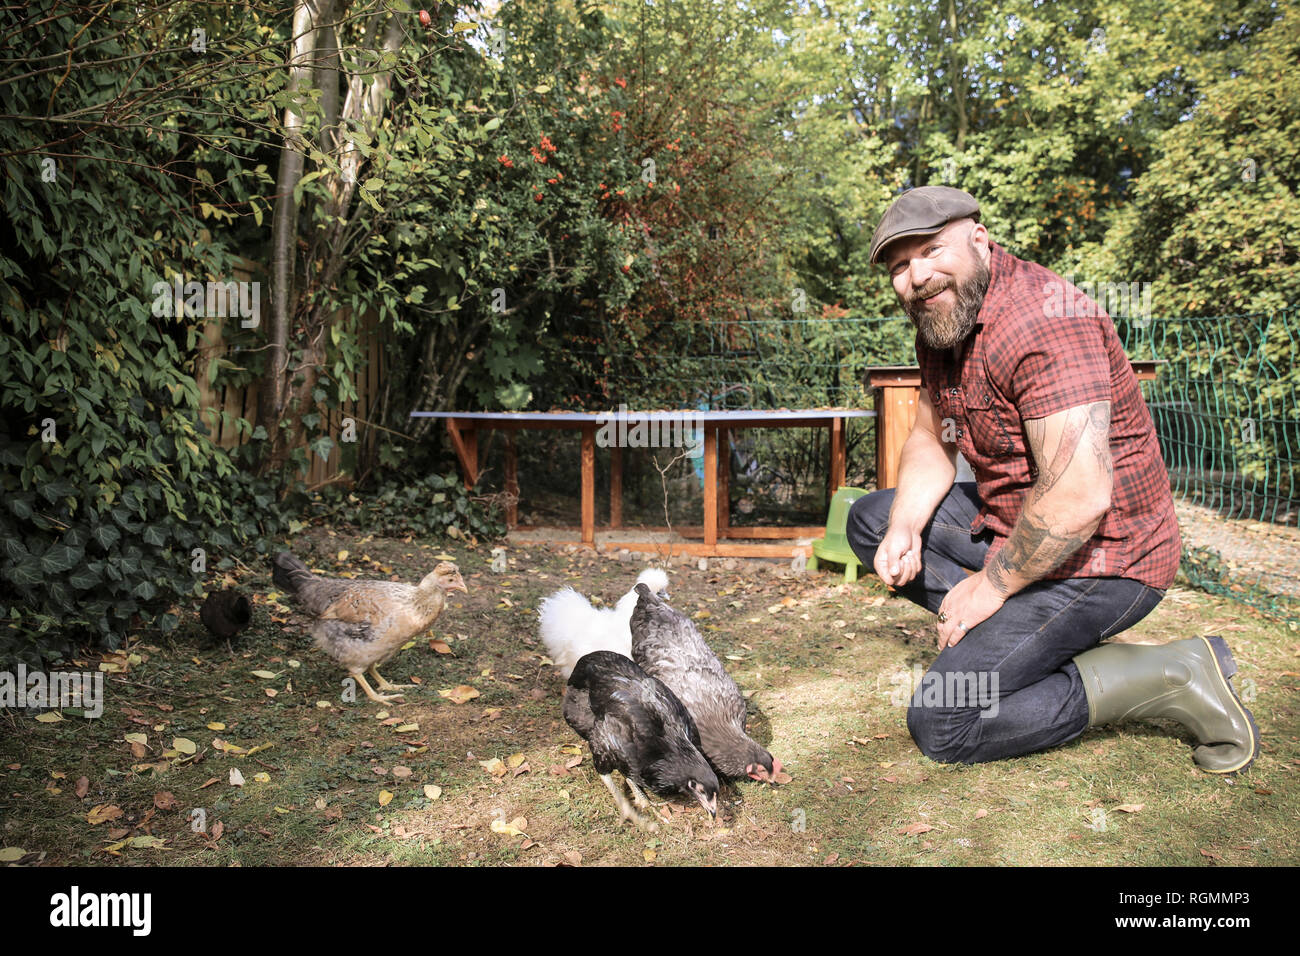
{"x": 635, "y": 725}
{"x": 225, "y": 614}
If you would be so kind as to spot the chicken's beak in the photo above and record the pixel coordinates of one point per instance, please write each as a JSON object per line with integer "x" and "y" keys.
{"x": 458, "y": 585}
{"x": 711, "y": 804}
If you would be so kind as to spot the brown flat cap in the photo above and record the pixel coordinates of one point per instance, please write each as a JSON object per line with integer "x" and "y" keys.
{"x": 920, "y": 212}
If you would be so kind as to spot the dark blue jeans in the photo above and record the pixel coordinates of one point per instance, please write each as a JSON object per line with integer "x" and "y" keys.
{"x": 1009, "y": 687}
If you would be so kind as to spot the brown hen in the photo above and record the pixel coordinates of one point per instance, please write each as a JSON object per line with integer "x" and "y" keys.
{"x": 361, "y": 624}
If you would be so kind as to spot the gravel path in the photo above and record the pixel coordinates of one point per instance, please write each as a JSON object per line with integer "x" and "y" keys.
{"x": 1255, "y": 552}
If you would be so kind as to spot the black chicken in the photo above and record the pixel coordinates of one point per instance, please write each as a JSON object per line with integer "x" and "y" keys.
{"x": 225, "y": 614}
{"x": 666, "y": 644}
{"x": 635, "y": 725}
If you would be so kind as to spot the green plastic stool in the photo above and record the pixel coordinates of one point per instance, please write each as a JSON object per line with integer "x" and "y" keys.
{"x": 835, "y": 546}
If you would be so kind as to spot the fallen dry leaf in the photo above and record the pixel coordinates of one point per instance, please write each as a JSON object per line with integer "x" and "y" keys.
{"x": 1130, "y": 807}
{"x": 440, "y": 646}
{"x": 494, "y": 767}
{"x": 385, "y": 797}
{"x": 236, "y": 778}
{"x": 83, "y": 786}
{"x": 432, "y": 791}
{"x": 103, "y": 813}
{"x": 574, "y": 858}
{"x": 981, "y": 814}
{"x": 460, "y": 694}
{"x": 515, "y": 827}
{"x": 164, "y": 800}
{"x": 912, "y": 829}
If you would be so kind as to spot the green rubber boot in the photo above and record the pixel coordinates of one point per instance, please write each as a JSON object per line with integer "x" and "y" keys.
{"x": 1186, "y": 681}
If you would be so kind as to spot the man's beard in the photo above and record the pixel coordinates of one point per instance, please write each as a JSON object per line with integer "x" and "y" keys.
{"x": 942, "y": 329}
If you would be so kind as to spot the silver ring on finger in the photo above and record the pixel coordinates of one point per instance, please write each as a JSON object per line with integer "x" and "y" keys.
{"x": 961, "y": 626}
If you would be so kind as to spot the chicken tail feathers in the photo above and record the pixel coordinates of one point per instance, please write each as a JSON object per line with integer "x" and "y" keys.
{"x": 312, "y": 591}
{"x": 570, "y": 628}
{"x": 288, "y": 572}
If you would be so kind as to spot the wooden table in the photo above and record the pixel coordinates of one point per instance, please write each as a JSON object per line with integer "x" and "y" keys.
{"x": 463, "y": 428}
{"x": 898, "y": 391}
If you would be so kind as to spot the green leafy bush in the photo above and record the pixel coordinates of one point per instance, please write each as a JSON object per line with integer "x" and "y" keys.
{"x": 433, "y": 505}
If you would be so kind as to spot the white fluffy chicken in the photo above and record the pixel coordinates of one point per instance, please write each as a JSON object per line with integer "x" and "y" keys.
{"x": 571, "y": 628}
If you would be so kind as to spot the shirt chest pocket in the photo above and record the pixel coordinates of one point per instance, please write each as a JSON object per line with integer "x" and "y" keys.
{"x": 990, "y": 430}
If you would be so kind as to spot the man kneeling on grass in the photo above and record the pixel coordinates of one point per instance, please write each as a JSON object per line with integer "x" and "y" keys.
{"x": 1069, "y": 527}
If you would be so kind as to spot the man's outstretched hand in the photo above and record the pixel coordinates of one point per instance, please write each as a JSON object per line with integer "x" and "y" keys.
{"x": 898, "y": 557}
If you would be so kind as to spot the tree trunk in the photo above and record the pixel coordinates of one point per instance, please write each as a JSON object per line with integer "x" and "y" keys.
{"x": 958, "y": 79}
{"x": 307, "y": 17}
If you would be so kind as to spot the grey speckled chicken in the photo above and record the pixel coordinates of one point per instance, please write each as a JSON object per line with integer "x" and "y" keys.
{"x": 361, "y": 624}
{"x": 667, "y": 645}
{"x": 635, "y": 725}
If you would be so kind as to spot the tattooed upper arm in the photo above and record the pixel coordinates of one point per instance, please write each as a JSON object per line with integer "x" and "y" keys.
{"x": 1071, "y": 445}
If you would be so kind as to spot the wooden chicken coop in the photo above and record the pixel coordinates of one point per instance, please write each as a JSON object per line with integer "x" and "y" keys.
{"x": 716, "y": 536}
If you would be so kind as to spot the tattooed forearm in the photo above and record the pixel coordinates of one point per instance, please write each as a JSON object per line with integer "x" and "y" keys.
{"x": 1033, "y": 550}
{"x": 1059, "y": 515}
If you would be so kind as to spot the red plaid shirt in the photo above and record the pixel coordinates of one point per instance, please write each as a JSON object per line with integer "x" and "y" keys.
{"x": 1039, "y": 347}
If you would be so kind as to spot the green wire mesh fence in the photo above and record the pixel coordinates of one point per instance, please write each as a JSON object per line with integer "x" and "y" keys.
{"x": 1225, "y": 408}
{"x": 1224, "y": 405}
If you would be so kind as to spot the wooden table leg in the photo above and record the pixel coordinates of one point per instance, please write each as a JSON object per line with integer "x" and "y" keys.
{"x": 838, "y": 457}
{"x": 589, "y": 484}
{"x": 464, "y": 439}
{"x": 710, "y": 487}
{"x": 615, "y": 487}
{"x": 512, "y": 483}
{"x": 724, "y": 480}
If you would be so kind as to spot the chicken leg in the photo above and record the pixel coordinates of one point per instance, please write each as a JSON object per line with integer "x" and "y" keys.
{"x": 382, "y": 681}
{"x": 638, "y": 796}
{"x": 377, "y": 698}
{"x": 625, "y": 809}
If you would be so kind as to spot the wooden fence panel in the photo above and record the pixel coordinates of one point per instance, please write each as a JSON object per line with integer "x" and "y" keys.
{"x": 221, "y": 406}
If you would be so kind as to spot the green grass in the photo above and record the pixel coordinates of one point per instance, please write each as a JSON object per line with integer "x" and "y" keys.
{"x": 826, "y": 678}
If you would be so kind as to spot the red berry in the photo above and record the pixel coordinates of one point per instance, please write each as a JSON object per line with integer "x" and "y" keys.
{"x": 425, "y": 19}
